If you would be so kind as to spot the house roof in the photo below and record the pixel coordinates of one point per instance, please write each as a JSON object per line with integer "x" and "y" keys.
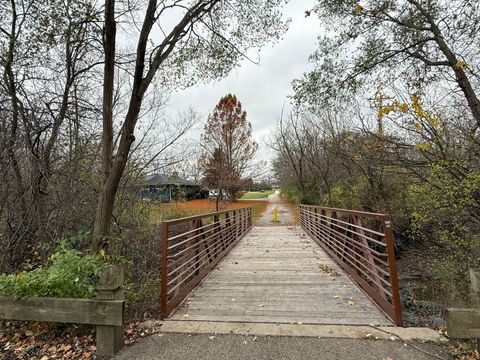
{"x": 163, "y": 179}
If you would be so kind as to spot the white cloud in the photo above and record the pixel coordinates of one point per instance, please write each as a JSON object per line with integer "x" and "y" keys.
{"x": 263, "y": 88}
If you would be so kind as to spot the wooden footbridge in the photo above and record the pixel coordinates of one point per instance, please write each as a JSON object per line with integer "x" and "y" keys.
{"x": 337, "y": 268}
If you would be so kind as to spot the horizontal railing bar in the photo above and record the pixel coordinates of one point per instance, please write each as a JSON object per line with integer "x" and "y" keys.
{"x": 228, "y": 239}
{"x": 355, "y": 249}
{"x": 359, "y": 244}
{"x": 193, "y": 230}
{"x": 223, "y": 221}
{"x": 195, "y": 268}
{"x": 192, "y": 267}
{"x": 361, "y": 257}
{"x": 349, "y": 223}
{"x": 175, "y": 257}
{"x": 172, "y": 303}
{"x": 193, "y": 238}
{"x": 366, "y": 214}
{"x": 355, "y": 242}
{"x": 64, "y": 310}
{"x": 332, "y": 241}
{"x": 379, "y": 287}
{"x": 335, "y": 245}
{"x": 202, "y": 216}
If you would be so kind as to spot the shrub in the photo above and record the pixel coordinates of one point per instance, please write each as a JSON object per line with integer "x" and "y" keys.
{"x": 69, "y": 273}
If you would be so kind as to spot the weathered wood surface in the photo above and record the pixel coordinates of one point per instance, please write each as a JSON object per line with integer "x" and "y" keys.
{"x": 107, "y": 312}
{"x": 275, "y": 275}
{"x": 110, "y": 287}
{"x": 79, "y": 311}
{"x": 463, "y": 323}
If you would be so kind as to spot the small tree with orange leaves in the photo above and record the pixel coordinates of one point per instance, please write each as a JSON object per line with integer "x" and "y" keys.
{"x": 228, "y": 147}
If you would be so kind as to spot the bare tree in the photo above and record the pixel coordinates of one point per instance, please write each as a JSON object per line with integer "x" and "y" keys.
{"x": 207, "y": 41}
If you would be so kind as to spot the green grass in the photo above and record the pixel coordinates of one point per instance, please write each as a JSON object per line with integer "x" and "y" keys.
{"x": 257, "y": 194}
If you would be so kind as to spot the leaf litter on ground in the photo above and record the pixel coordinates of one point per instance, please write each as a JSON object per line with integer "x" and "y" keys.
{"x": 21, "y": 340}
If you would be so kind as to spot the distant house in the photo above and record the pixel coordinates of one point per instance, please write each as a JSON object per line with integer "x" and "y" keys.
{"x": 166, "y": 188}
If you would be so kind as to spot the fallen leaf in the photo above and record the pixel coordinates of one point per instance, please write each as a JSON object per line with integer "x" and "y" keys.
{"x": 260, "y": 305}
{"x": 211, "y": 337}
{"x": 64, "y": 347}
{"x": 186, "y": 316}
{"x": 358, "y": 9}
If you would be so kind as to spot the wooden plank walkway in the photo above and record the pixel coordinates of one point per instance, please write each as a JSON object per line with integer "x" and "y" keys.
{"x": 279, "y": 275}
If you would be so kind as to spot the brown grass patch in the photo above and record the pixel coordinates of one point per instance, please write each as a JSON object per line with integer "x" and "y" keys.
{"x": 181, "y": 209}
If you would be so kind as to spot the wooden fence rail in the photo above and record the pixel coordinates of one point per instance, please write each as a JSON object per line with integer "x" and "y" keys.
{"x": 106, "y": 312}
{"x": 361, "y": 243}
{"x": 192, "y": 246}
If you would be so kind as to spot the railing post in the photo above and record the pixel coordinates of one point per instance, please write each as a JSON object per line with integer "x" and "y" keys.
{"x": 235, "y": 225}
{"x": 392, "y": 264}
{"x": 164, "y": 271}
{"x": 216, "y": 229}
{"x": 250, "y": 217}
{"x": 195, "y": 225}
{"x": 110, "y": 287}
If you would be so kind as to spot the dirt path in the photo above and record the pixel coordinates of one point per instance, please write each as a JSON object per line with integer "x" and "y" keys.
{"x": 285, "y": 215}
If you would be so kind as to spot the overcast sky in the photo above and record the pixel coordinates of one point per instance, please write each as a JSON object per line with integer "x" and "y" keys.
{"x": 263, "y": 88}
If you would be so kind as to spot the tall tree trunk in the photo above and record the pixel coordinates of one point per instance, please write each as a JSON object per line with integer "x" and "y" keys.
{"x": 108, "y": 190}
{"x": 113, "y": 166}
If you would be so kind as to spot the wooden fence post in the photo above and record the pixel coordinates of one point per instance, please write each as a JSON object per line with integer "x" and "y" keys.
{"x": 110, "y": 287}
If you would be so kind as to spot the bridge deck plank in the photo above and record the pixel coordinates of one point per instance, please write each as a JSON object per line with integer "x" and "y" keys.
{"x": 274, "y": 275}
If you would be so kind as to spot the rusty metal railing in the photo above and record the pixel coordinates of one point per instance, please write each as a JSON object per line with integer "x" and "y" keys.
{"x": 192, "y": 246}
{"x": 361, "y": 243}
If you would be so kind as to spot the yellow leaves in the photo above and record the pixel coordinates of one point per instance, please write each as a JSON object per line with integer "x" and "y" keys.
{"x": 461, "y": 65}
{"x": 417, "y": 106}
{"x": 403, "y": 107}
{"x": 390, "y": 108}
{"x": 434, "y": 121}
{"x": 358, "y": 9}
{"x": 351, "y": 302}
{"x": 420, "y": 112}
{"x": 186, "y": 316}
{"x": 385, "y": 110}
{"x": 423, "y": 147}
{"x": 327, "y": 270}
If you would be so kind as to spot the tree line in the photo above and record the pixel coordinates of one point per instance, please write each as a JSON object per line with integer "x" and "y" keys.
{"x": 388, "y": 121}
{"x": 83, "y": 88}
